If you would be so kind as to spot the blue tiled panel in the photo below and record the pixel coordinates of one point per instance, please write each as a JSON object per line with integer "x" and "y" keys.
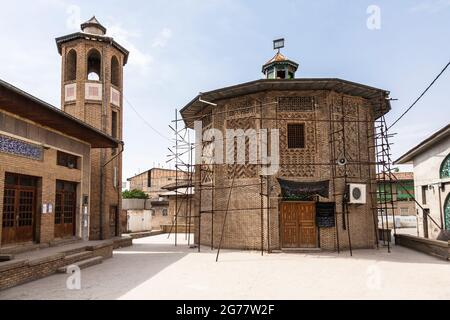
{"x": 20, "y": 148}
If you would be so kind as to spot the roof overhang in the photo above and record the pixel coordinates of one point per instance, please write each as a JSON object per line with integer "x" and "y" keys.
{"x": 182, "y": 183}
{"x": 22, "y": 104}
{"x": 436, "y": 137}
{"x": 94, "y": 37}
{"x": 180, "y": 192}
{"x": 193, "y": 108}
{"x": 159, "y": 203}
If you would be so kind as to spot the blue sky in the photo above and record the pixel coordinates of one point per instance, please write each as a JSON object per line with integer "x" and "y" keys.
{"x": 180, "y": 48}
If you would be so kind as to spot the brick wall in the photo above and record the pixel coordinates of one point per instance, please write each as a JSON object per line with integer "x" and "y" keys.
{"x": 46, "y": 170}
{"x": 243, "y": 228}
{"x": 99, "y": 115}
{"x": 158, "y": 219}
{"x": 159, "y": 179}
{"x": 24, "y": 271}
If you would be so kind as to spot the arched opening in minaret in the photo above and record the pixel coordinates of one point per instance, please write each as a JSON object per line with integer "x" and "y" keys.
{"x": 71, "y": 66}
{"x": 94, "y": 65}
{"x": 115, "y": 71}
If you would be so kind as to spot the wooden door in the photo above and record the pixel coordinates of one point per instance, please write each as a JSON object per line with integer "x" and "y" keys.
{"x": 65, "y": 209}
{"x": 19, "y": 209}
{"x": 298, "y": 225}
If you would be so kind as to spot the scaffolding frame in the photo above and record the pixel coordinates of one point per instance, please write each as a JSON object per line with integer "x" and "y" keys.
{"x": 378, "y": 165}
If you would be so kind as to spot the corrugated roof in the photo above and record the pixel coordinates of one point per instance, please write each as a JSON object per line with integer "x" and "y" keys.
{"x": 180, "y": 192}
{"x": 179, "y": 184}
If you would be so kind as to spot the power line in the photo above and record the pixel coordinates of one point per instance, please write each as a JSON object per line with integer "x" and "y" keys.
{"x": 145, "y": 121}
{"x": 420, "y": 97}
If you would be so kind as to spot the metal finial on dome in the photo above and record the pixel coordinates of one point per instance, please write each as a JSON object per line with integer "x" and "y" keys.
{"x": 279, "y": 67}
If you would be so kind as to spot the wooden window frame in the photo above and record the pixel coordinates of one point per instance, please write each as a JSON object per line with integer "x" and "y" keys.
{"x": 64, "y": 159}
{"x": 424, "y": 194}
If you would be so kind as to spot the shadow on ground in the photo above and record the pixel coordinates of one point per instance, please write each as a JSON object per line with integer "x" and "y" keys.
{"x": 129, "y": 268}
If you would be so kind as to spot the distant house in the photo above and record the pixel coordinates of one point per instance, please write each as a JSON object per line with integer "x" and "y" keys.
{"x": 431, "y": 162}
{"x": 182, "y": 207}
{"x": 160, "y": 213}
{"x": 402, "y": 193}
{"x": 152, "y": 181}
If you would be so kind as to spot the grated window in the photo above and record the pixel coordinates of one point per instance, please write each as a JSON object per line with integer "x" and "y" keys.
{"x": 296, "y": 136}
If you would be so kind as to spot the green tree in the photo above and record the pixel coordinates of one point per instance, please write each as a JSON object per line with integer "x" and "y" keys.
{"x": 134, "y": 194}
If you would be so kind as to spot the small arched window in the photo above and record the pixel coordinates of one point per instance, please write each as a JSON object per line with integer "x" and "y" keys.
{"x": 115, "y": 71}
{"x": 71, "y": 66}
{"x": 94, "y": 65}
{"x": 445, "y": 168}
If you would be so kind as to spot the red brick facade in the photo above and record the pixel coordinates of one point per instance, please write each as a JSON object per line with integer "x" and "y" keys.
{"x": 104, "y": 219}
{"x": 244, "y": 228}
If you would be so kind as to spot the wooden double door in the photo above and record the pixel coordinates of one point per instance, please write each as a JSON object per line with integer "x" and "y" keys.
{"x": 298, "y": 225}
{"x": 19, "y": 208}
{"x": 65, "y": 209}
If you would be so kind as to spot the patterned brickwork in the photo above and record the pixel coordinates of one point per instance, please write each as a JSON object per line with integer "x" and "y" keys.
{"x": 324, "y": 144}
{"x": 242, "y": 171}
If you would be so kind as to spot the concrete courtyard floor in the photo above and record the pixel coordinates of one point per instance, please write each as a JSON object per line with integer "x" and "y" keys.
{"x": 155, "y": 269}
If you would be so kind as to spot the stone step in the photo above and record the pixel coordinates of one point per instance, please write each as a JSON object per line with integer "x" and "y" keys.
{"x": 6, "y": 257}
{"x": 78, "y": 256}
{"x": 301, "y": 250}
{"x": 75, "y": 250}
{"x": 21, "y": 248}
{"x": 64, "y": 242}
{"x": 82, "y": 264}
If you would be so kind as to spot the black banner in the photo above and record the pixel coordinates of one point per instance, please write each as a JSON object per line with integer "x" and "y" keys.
{"x": 229, "y": 309}
{"x": 325, "y": 214}
{"x": 303, "y": 190}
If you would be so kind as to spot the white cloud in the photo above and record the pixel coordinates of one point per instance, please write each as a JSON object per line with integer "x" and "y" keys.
{"x": 431, "y": 6}
{"x": 73, "y": 21}
{"x": 163, "y": 38}
{"x": 138, "y": 58}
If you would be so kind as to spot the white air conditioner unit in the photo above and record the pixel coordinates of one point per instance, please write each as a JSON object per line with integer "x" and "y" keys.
{"x": 357, "y": 193}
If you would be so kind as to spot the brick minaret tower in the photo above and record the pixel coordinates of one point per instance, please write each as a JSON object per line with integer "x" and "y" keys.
{"x": 92, "y": 91}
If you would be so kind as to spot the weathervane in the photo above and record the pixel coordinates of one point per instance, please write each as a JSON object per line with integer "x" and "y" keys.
{"x": 278, "y": 44}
